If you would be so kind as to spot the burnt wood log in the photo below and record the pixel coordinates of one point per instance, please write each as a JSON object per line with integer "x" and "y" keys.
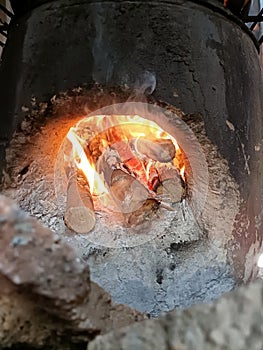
{"x": 111, "y": 136}
{"x": 159, "y": 150}
{"x": 124, "y": 150}
{"x": 127, "y": 191}
{"x": 132, "y": 199}
{"x": 143, "y": 214}
{"x": 79, "y": 215}
{"x": 171, "y": 186}
{"x": 131, "y": 161}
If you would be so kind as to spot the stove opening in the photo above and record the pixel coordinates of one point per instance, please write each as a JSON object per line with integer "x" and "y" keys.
{"x": 125, "y": 165}
{"x": 129, "y": 172}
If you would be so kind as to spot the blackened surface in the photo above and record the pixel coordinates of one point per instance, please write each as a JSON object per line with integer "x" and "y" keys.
{"x": 208, "y": 61}
{"x": 204, "y": 64}
{"x": 11, "y": 85}
{"x": 21, "y": 6}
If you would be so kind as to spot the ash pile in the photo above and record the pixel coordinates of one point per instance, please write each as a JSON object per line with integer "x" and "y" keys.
{"x": 179, "y": 258}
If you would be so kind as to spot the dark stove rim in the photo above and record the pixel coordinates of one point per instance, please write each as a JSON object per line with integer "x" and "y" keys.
{"x": 214, "y": 5}
{"x": 211, "y": 4}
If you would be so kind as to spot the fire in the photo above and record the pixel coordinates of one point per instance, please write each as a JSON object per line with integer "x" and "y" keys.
{"x": 135, "y": 146}
{"x": 182, "y": 171}
{"x": 96, "y": 185}
{"x": 148, "y": 169}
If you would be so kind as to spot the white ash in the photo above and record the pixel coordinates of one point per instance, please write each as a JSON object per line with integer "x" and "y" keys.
{"x": 177, "y": 263}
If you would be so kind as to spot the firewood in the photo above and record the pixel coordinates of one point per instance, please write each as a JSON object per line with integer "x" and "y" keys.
{"x": 128, "y": 193}
{"x": 171, "y": 186}
{"x": 110, "y": 136}
{"x": 106, "y": 164}
{"x": 142, "y": 215}
{"x": 131, "y": 161}
{"x": 124, "y": 151}
{"x": 172, "y": 190}
{"x": 79, "y": 215}
{"x": 162, "y": 151}
{"x": 132, "y": 198}
{"x": 95, "y": 148}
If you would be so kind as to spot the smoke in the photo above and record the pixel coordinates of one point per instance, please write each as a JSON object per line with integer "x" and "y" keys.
{"x": 145, "y": 84}
{"x": 101, "y": 50}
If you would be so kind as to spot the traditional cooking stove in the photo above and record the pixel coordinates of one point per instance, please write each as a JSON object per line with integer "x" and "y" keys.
{"x": 186, "y": 79}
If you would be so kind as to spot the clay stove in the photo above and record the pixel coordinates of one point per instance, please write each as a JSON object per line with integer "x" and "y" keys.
{"x": 172, "y": 251}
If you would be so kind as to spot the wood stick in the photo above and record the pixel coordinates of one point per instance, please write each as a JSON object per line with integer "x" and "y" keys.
{"x": 171, "y": 185}
{"x": 132, "y": 199}
{"x": 127, "y": 191}
{"x": 142, "y": 215}
{"x": 79, "y": 215}
{"x": 162, "y": 151}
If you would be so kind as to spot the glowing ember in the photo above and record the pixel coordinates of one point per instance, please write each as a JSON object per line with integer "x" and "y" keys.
{"x": 118, "y": 154}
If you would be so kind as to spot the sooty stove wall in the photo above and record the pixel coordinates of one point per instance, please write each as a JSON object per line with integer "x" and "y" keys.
{"x": 204, "y": 59}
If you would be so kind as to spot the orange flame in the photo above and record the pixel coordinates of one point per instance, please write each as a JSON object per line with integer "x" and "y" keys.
{"x": 148, "y": 169}
{"x": 121, "y": 131}
{"x": 81, "y": 161}
{"x": 182, "y": 172}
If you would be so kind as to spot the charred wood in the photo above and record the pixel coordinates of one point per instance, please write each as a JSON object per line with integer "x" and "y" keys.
{"x": 79, "y": 215}
{"x": 171, "y": 186}
{"x": 159, "y": 150}
{"x": 130, "y": 196}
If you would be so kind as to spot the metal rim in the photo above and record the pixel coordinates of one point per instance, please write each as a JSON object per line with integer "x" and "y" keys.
{"x": 214, "y": 5}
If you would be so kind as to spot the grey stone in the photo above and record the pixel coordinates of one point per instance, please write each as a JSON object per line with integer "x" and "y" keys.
{"x": 233, "y": 322}
{"x": 46, "y": 296}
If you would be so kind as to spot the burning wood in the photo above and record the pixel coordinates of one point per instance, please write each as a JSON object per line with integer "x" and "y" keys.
{"x": 143, "y": 214}
{"x": 162, "y": 151}
{"x": 133, "y": 165}
{"x": 131, "y": 197}
{"x": 128, "y": 191}
{"x": 171, "y": 186}
{"x": 79, "y": 215}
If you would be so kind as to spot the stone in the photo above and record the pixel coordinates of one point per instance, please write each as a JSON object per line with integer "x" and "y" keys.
{"x": 46, "y": 296}
{"x": 35, "y": 260}
{"x": 233, "y": 322}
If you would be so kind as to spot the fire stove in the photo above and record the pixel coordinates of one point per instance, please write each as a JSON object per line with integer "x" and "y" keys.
{"x": 139, "y": 141}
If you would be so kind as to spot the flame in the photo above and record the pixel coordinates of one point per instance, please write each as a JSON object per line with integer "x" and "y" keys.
{"x": 182, "y": 172}
{"x": 148, "y": 169}
{"x": 161, "y": 134}
{"x": 120, "y": 133}
{"x": 81, "y": 161}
